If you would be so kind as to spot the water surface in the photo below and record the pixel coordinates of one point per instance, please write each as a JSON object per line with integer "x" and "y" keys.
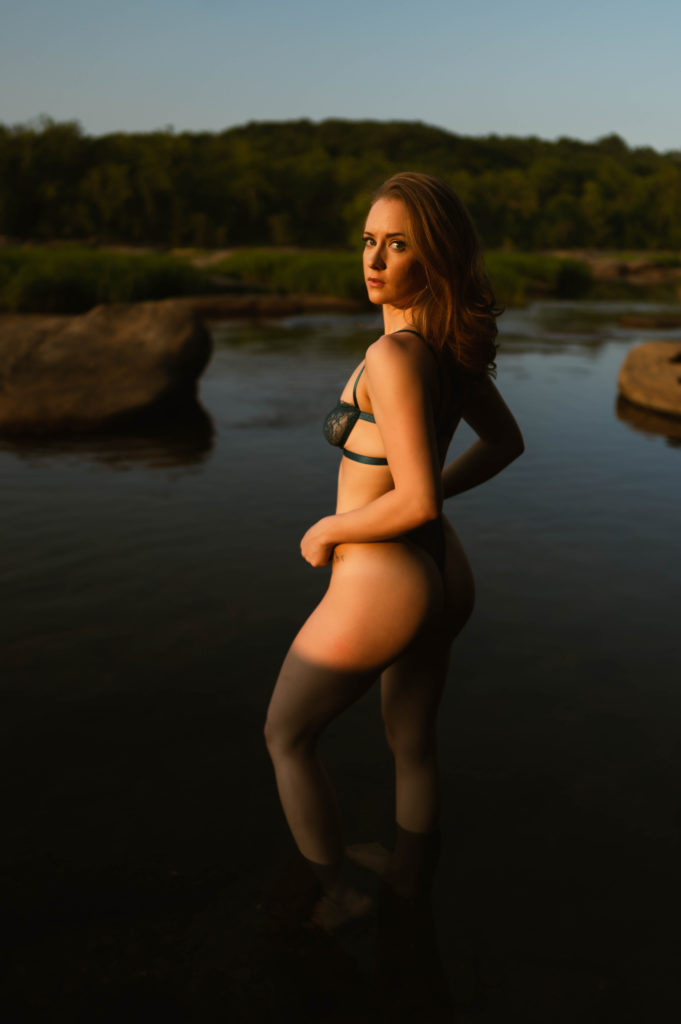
{"x": 152, "y": 585}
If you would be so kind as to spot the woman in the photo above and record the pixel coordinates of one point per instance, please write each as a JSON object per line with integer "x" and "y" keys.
{"x": 401, "y": 587}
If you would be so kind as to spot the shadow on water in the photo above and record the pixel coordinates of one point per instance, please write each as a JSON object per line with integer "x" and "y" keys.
{"x": 139, "y": 889}
{"x": 178, "y": 436}
{"x": 384, "y": 966}
{"x": 136, "y": 886}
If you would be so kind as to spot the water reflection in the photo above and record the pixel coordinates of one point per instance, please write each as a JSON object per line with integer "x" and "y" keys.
{"x": 547, "y": 326}
{"x": 181, "y": 436}
{"x": 647, "y": 421}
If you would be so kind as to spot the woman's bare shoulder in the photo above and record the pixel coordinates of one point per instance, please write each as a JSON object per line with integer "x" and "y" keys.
{"x": 392, "y": 350}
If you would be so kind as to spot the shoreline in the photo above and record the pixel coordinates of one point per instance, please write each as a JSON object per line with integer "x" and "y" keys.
{"x": 216, "y": 307}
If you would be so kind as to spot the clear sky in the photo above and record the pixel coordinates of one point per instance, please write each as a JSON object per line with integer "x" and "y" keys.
{"x": 581, "y": 68}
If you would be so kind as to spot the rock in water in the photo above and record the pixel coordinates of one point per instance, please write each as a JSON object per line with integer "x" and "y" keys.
{"x": 98, "y": 370}
{"x": 651, "y": 376}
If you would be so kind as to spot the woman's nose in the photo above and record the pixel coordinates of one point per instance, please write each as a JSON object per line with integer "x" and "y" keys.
{"x": 377, "y": 260}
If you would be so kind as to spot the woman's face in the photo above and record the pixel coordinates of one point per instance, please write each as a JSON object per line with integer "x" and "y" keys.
{"x": 392, "y": 273}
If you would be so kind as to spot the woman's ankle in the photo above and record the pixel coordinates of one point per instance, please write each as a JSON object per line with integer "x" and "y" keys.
{"x": 414, "y": 861}
{"x": 328, "y": 875}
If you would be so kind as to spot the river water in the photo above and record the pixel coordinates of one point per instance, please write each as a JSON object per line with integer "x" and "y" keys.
{"x": 152, "y": 584}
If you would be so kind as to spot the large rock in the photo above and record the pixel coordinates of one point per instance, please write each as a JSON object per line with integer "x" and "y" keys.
{"x": 651, "y": 376}
{"x": 98, "y": 370}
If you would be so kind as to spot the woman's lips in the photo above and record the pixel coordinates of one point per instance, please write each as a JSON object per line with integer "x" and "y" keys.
{"x": 375, "y": 282}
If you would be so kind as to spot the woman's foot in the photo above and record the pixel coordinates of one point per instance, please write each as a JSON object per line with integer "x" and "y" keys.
{"x": 371, "y": 856}
{"x": 340, "y": 906}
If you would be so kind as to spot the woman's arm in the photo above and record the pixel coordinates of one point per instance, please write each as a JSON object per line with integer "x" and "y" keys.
{"x": 500, "y": 442}
{"x": 402, "y": 412}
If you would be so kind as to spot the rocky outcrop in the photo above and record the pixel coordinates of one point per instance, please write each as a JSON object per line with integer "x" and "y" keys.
{"x": 99, "y": 370}
{"x": 651, "y": 377}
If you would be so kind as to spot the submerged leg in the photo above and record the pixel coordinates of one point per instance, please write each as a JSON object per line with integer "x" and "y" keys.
{"x": 306, "y": 698}
{"x": 414, "y": 860}
{"x": 411, "y": 689}
{"x": 410, "y": 695}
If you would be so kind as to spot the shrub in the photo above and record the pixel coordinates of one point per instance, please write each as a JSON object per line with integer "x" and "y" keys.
{"x": 73, "y": 280}
{"x": 306, "y": 272}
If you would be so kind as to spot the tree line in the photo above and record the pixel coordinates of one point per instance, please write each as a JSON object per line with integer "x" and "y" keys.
{"x": 300, "y": 183}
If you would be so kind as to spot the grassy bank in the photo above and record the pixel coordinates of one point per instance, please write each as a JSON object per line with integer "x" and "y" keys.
{"x": 72, "y": 280}
{"x": 517, "y": 277}
{"x": 312, "y": 272}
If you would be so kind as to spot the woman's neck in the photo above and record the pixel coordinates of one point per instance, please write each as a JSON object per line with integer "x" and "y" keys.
{"x": 395, "y": 319}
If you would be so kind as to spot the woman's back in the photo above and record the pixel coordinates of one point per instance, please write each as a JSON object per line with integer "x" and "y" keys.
{"x": 364, "y": 473}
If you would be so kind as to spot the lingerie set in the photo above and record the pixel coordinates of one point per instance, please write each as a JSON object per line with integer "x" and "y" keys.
{"x": 338, "y": 426}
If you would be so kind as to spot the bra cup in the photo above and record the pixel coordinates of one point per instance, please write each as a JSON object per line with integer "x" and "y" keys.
{"x": 339, "y": 423}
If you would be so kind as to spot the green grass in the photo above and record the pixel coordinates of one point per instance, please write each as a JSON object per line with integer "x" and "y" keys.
{"x": 516, "y": 277}
{"x": 73, "y": 280}
{"x": 302, "y": 272}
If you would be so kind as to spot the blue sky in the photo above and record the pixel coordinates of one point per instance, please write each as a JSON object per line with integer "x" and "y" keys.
{"x": 521, "y": 67}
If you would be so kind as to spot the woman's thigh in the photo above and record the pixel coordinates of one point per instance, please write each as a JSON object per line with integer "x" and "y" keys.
{"x": 379, "y": 597}
{"x": 411, "y": 687}
{"x": 307, "y": 696}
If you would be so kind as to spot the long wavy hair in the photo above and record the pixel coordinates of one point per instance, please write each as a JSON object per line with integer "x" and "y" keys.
{"x": 456, "y": 308}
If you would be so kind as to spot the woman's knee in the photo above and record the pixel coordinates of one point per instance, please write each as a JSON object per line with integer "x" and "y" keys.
{"x": 271, "y": 736}
{"x": 286, "y": 739}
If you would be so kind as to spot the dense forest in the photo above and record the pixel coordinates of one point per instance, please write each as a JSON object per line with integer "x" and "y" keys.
{"x": 304, "y": 184}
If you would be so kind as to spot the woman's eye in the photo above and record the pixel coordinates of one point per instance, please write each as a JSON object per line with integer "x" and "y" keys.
{"x": 368, "y": 241}
{"x": 398, "y": 246}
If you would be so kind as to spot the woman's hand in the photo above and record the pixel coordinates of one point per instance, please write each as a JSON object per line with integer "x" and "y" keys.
{"x": 316, "y": 547}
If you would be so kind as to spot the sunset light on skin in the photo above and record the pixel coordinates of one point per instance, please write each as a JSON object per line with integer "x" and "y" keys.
{"x": 391, "y": 272}
{"x": 530, "y": 68}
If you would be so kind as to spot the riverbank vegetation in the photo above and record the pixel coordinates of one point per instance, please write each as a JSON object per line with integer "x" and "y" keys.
{"x": 71, "y": 280}
{"x": 303, "y": 184}
{"x": 279, "y": 207}
{"x": 516, "y": 277}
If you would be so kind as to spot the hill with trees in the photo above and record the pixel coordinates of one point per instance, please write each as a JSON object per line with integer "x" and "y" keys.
{"x": 306, "y": 184}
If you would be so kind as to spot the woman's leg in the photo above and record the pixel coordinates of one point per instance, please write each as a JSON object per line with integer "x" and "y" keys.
{"x": 410, "y": 695}
{"x": 306, "y": 698}
{"x": 378, "y": 598}
{"x": 411, "y": 689}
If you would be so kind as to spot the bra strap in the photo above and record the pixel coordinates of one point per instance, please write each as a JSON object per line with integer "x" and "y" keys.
{"x": 368, "y": 460}
{"x": 354, "y": 390}
{"x": 362, "y": 415}
{"x": 409, "y": 330}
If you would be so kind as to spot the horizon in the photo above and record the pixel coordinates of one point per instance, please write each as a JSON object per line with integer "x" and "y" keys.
{"x": 41, "y": 120}
{"x": 531, "y": 69}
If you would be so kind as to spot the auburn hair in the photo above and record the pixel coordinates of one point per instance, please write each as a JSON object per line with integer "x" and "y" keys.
{"x": 456, "y": 308}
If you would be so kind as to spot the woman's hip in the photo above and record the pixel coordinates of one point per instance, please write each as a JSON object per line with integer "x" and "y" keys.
{"x": 379, "y": 597}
